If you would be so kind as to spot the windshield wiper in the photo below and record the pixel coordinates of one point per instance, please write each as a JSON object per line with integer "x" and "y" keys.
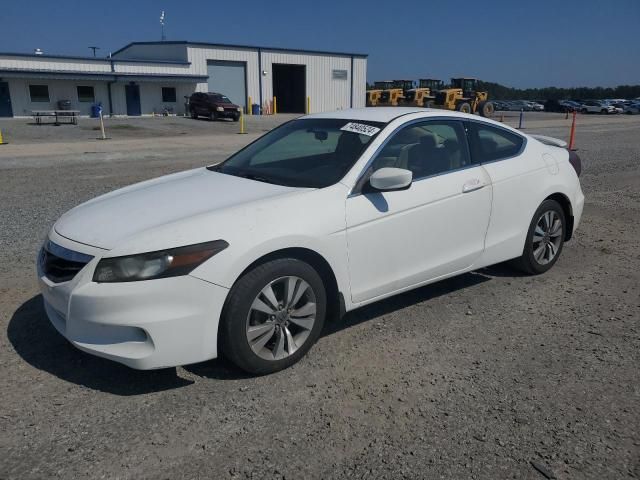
{"x": 256, "y": 177}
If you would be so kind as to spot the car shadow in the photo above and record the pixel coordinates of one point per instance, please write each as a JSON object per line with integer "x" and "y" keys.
{"x": 40, "y": 345}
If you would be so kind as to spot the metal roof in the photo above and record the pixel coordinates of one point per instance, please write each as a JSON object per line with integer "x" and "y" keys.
{"x": 103, "y": 75}
{"x": 249, "y": 47}
{"x": 106, "y": 60}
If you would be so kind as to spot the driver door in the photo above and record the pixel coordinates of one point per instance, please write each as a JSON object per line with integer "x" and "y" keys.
{"x": 400, "y": 239}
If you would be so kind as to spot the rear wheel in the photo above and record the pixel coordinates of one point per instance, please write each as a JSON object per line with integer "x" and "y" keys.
{"x": 273, "y": 315}
{"x": 194, "y": 115}
{"x": 463, "y": 107}
{"x": 545, "y": 239}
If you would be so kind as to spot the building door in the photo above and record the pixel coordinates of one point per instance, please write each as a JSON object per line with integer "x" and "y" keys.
{"x": 289, "y": 87}
{"x": 5, "y": 101}
{"x": 132, "y": 93}
{"x": 228, "y": 78}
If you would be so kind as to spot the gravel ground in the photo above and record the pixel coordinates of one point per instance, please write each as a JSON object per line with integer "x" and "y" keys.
{"x": 26, "y": 131}
{"x": 487, "y": 375}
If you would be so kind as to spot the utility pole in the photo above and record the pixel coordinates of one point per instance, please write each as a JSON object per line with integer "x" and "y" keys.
{"x": 162, "y": 37}
{"x": 94, "y": 50}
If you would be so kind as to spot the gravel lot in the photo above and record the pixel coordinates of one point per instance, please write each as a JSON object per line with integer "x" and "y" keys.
{"x": 480, "y": 376}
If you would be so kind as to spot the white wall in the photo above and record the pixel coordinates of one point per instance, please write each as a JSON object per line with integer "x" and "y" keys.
{"x": 156, "y": 68}
{"x": 325, "y": 92}
{"x": 198, "y": 57}
{"x": 150, "y": 97}
{"x": 58, "y": 90}
{"x": 29, "y": 62}
{"x": 359, "y": 82}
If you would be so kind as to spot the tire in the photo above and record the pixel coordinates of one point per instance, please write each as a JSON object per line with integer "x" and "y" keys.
{"x": 531, "y": 261}
{"x": 463, "y": 107}
{"x": 213, "y": 116}
{"x": 194, "y": 115}
{"x": 236, "y": 117}
{"x": 604, "y": 112}
{"x": 486, "y": 109}
{"x": 278, "y": 340}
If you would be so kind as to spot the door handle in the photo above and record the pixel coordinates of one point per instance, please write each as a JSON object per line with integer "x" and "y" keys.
{"x": 472, "y": 185}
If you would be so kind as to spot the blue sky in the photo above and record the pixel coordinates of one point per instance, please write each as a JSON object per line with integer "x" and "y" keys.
{"x": 516, "y": 43}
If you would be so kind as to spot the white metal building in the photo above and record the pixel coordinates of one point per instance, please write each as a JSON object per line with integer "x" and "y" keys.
{"x": 143, "y": 78}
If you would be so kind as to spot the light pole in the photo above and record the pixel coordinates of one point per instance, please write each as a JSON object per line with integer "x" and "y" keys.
{"x": 94, "y": 50}
{"x": 162, "y": 37}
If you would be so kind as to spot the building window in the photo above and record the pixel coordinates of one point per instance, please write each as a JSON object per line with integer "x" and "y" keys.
{"x": 39, "y": 93}
{"x": 86, "y": 94}
{"x": 169, "y": 94}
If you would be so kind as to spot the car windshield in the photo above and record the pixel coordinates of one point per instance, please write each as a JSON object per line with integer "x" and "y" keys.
{"x": 314, "y": 152}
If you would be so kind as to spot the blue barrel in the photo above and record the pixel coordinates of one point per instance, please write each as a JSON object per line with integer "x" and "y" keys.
{"x": 96, "y": 108}
{"x": 255, "y": 109}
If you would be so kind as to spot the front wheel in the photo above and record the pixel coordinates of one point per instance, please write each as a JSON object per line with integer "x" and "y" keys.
{"x": 463, "y": 107}
{"x": 236, "y": 117}
{"x": 486, "y": 109}
{"x": 213, "y": 116}
{"x": 545, "y": 239}
{"x": 273, "y": 315}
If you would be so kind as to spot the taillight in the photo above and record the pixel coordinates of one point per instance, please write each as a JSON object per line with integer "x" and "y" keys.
{"x": 575, "y": 161}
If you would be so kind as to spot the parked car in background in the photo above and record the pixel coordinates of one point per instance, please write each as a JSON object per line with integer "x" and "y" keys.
{"x": 597, "y": 106}
{"x": 632, "y": 108}
{"x": 322, "y": 215}
{"x": 213, "y": 106}
{"x": 517, "y": 105}
{"x": 561, "y": 106}
{"x": 499, "y": 105}
{"x": 536, "y": 107}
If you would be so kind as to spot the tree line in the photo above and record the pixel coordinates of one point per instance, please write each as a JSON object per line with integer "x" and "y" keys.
{"x": 500, "y": 92}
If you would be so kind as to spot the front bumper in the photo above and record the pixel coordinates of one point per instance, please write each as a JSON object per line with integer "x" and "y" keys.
{"x": 144, "y": 325}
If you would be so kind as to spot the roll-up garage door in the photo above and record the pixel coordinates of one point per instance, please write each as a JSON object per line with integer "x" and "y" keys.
{"x": 230, "y": 79}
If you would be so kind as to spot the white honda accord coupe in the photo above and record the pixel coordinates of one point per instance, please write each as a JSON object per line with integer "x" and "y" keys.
{"x": 248, "y": 258}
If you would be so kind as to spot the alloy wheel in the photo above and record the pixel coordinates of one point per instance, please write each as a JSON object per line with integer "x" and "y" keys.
{"x": 547, "y": 237}
{"x": 281, "y": 318}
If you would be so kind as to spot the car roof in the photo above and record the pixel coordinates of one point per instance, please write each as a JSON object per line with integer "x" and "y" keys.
{"x": 383, "y": 114}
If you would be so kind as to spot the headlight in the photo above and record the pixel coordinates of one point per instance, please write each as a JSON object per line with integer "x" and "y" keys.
{"x": 220, "y": 109}
{"x": 239, "y": 109}
{"x": 160, "y": 264}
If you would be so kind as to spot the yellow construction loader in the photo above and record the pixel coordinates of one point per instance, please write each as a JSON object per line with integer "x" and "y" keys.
{"x": 464, "y": 96}
{"x": 424, "y": 94}
{"x": 394, "y": 95}
{"x": 374, "y": 94}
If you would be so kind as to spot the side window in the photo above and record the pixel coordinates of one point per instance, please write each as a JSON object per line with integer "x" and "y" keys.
{"x": 490, "y": 143}
{"x": 426, "y": 148}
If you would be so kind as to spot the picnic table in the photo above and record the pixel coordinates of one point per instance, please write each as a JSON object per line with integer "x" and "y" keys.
{"x": 71, "y": 115}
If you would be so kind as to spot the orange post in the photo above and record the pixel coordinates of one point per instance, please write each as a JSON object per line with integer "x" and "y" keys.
{"x": 572, "y": 135}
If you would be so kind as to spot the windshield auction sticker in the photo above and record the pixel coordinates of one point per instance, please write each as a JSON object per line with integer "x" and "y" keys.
{"x": 360, "y": 128}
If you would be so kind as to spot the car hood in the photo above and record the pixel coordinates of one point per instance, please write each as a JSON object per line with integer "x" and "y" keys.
{"x": 109, "y": 219}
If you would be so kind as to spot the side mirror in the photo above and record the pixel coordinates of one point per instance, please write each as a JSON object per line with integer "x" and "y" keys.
{"x": 388, "y": 179}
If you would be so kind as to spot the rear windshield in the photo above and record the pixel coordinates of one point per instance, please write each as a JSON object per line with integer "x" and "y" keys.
{"x": 304, "y": 153}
